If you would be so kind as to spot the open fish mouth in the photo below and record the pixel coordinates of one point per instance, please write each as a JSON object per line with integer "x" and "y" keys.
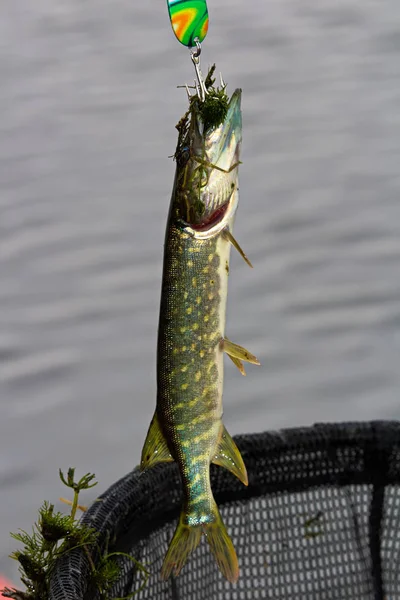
{"x": 208, "y": 161}
{"x": 213, "y": 219}
{"x": 215, "y": 169}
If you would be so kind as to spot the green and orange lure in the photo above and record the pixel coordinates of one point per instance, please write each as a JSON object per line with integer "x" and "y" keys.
{"x": 189, "y": 20}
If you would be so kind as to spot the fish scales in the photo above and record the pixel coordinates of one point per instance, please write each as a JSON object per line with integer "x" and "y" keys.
{"x": 190, "y": 360}
{"x": 187, "y": 424}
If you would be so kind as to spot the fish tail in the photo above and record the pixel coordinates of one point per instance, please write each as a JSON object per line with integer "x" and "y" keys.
{"x": 222, "y": 548}
{"x": 186, "y": 539}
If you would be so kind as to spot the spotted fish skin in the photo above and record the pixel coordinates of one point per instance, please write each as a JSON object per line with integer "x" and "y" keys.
{"x": 190, "y": 360}
{"x": 187, "y": 425}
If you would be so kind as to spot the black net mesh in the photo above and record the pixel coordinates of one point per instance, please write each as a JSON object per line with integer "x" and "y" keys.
{"x": 320, "y": 519}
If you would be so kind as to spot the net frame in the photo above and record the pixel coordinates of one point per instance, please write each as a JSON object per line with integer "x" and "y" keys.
{"x": 319, "y": 519}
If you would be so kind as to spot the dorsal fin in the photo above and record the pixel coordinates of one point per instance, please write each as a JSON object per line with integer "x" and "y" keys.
{"x": 155, "y": 449}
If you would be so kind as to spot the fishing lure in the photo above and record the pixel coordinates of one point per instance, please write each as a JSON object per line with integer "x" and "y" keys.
{"x": 187, "y": 424}
{"x": 189, "y": 20}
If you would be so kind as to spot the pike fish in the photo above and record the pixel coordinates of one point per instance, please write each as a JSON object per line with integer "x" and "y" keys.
{"x": 187, "y": 424}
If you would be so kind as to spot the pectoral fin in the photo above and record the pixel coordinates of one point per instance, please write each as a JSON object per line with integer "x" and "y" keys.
{"x": 155, "y": 449}
{"x": 237, "y": 353}
{"x": 228, "y": 456}
{"x": 229, "y": 237}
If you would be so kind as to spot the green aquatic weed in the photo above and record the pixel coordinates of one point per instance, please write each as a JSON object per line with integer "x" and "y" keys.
{"x": 214, "y": 108}
{"x": 314, "y": 526}
{"x": 53, "y": 535}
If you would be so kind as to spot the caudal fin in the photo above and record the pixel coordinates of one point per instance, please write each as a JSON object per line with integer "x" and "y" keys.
{"x": 222, "y": 548}
{"x": 186, "y": 539}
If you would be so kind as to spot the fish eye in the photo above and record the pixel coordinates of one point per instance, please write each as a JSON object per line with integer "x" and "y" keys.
{"x": 185, "y": 154}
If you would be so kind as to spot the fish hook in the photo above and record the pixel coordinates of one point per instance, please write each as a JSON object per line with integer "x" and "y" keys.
{"x": 195, "y": 56}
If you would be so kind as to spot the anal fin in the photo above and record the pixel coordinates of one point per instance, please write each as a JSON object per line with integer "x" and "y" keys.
{"x": 155, "y": 449}
{"x": 229, "y": 237}
{"x": 228, "y": 456}
{"x": 238, "y": 354}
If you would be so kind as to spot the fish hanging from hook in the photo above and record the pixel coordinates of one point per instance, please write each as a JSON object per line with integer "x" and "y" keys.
{"x": 189, "y": 20}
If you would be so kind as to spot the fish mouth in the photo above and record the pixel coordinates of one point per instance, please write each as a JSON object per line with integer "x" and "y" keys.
{"x": 212, "y": 199}
{"x": 216, "y": 222}
{"x": 222, "y": 148}
{"x": 212, "y": 220}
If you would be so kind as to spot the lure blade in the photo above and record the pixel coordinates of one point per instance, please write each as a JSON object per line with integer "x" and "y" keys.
{"x": 189, "y": 20}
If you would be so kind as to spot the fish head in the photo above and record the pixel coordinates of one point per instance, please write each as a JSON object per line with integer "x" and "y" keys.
{"x": 208, "y": 162}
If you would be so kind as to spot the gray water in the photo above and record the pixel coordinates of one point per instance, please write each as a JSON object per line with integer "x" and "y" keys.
{"x": 88, "y": 104}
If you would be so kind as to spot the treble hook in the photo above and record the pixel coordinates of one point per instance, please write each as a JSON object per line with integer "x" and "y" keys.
{"x": 195, "y": 56}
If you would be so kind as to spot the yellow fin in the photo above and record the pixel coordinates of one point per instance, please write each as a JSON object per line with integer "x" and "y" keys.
{"x": 185, "y": 540}
{"x": 228, "y": 456}
{"x": 222, "y": 548}
{"x": 229, "y": 237}
{"x": 238, "y": 363}
{"x": 155, "y": 449}
{"x": 236, "y": 351}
